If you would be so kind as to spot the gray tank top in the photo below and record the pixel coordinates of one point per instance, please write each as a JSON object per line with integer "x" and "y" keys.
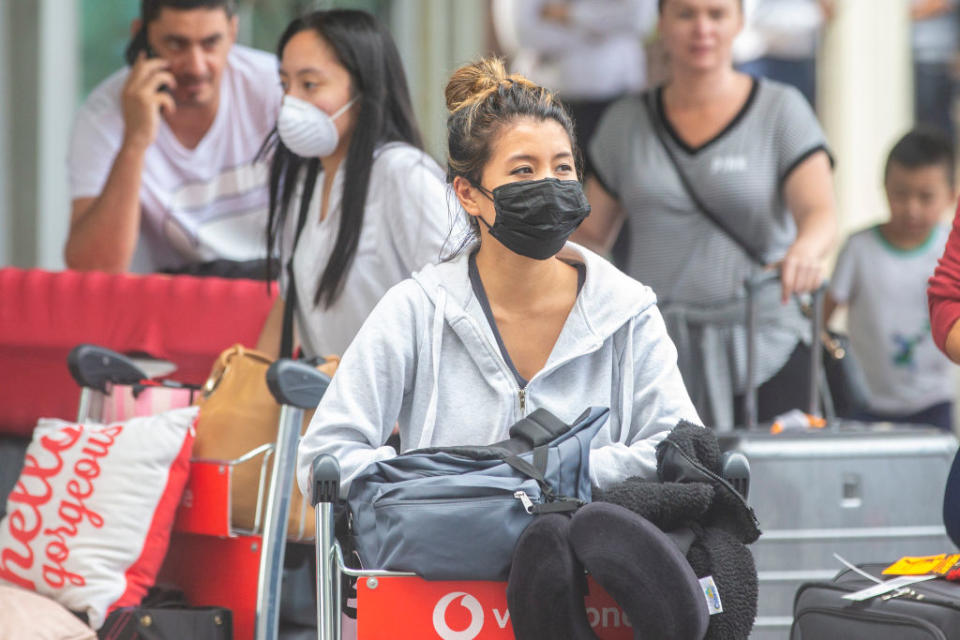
{"x": 697, "y": 270}
{"x": 739, "y": 174}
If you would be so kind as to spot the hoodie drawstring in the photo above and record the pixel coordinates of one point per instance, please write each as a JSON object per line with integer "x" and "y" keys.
{"x": 430, "y": 421}
{"x": 626, "y": 382}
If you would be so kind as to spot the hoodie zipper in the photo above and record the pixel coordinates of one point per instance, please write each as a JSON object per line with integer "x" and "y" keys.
{"x": 498, "y": 357}
{"x": 522, "y": 391}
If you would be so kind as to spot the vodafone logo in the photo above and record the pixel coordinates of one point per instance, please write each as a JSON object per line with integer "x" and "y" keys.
{"x": 468, "y": 602}
{"x": 477, "y": 610}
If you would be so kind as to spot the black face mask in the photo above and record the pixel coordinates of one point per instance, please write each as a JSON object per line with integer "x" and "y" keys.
{"x": 535, "y": 217}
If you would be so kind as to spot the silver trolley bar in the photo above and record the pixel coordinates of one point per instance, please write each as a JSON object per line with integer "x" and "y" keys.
{"x": 817, "y": 380}
{"x": 275, "y": 524}
{"x": 816, "y": 355}
{"x": 330, "y": 565}
{"x": 295, "y": 386}
{"x": 750, "y": 399}
{"x": 91, "y": 405}
{"x": 328, "y": 578}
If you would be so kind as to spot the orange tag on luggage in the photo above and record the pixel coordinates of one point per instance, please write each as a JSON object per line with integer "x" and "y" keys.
{"x": 922, "y": 565}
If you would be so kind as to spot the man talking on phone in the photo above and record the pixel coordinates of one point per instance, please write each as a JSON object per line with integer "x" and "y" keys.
{"x": 161, "y": 162}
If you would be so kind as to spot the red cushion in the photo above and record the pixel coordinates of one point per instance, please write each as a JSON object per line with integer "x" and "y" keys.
{"x": 89, "y": 520}
{"x": 184, "y": 319}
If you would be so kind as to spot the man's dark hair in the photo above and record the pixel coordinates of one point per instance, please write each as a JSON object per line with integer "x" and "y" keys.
{"x": 364, "y": 47}
{"x": 150, "y": 9}
{"x": 923, "y": 146}
{"x": 660, "y": 4}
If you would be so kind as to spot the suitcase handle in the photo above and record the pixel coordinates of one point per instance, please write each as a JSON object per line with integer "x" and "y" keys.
{"x": 816, "y": 356}
{"x": 296, "y": 384}
{"x": 94, "y": 367}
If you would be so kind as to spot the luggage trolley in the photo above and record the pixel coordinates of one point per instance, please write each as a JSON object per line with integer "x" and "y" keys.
{"x": 393, "y": 605}
{"x": 856, "y": 489}
{"x": 203, "y": 544}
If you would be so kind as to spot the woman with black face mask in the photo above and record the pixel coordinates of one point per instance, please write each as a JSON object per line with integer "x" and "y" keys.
{"x": 520, "y": 319}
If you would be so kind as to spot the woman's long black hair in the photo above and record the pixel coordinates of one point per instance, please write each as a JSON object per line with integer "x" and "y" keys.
{"x": 366, "y": 50}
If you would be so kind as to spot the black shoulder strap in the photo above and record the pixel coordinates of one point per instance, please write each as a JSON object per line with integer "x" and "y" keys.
{"x": 658, "y": 129}
{"x": 290, "y": 303}
{"x": 538, "y": 428}
{"x": 537, "y": 471}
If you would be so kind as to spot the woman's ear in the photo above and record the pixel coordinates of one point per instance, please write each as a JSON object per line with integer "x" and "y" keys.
{"x": 468, "y": 195}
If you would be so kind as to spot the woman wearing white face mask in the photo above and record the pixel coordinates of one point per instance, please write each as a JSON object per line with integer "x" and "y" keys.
{"x": 355, "y": 204}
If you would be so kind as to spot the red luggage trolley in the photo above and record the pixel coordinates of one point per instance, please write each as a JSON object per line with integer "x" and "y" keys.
{"x": 393, "y": 605}
{"x": 217, "y": 565}
{"x": 211, "y": 561}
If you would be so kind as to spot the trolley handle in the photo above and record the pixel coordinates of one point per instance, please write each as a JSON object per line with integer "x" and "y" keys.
{"x": 736, "y": 471}
{"x": 95, "y": 367}
{"x": 326, "y": 479}
{"x": 752, "y": 285}
{"x": 296, "y": 384}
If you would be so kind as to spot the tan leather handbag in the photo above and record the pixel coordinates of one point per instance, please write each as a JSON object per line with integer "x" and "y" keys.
{"x": 239, "y": 414}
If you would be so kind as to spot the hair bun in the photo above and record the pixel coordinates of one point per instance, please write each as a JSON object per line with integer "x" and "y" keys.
{"x": 473, "y": 82}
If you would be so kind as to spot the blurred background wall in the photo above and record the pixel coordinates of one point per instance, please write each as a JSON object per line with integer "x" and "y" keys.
{"x": 53, "y": 52}
{"x": 864, "y": 100}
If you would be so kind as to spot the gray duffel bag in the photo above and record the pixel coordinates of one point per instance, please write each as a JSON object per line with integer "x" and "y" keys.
{"x": 455, "y": 513}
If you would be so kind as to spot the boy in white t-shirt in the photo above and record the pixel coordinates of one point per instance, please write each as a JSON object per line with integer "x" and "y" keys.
{"x": 162, "y": 157}
{"x": 881, "y": 276}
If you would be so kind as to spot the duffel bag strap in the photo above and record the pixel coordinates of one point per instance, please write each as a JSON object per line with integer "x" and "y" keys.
{"x": 538, "y": 428}
{"x": 561, "y": 505}
{"x": 554, "y": 503}
{"x": 531, "y": 471}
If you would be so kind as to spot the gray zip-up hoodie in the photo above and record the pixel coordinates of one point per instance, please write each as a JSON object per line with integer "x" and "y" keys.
{"x": 427, "y": 359}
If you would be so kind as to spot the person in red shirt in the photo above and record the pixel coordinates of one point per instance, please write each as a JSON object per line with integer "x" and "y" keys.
{"x": 943, "y": 298}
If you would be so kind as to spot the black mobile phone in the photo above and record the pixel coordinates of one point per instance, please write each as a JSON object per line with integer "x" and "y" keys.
{"x": 137, "y": 44}
{"x": 140, "y": 43}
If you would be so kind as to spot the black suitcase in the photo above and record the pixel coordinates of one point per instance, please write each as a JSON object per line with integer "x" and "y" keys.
{"x": 929, "y": 611}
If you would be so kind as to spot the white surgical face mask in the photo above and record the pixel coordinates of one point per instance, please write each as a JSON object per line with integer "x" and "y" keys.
{"x": 306, "y": 129}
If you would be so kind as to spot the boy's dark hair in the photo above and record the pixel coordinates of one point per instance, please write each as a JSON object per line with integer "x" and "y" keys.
{"x": 923, "y": 147}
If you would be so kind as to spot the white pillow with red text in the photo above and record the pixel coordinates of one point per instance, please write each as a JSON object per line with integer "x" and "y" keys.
{"x": 89, "y": 519}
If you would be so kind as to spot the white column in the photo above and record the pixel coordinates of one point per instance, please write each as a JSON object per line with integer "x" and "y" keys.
{"x": 434, "y": 38}
{"x": 38, "y": 72}
{"x": 56, "y": 102}
{"x": 865, "y": 100}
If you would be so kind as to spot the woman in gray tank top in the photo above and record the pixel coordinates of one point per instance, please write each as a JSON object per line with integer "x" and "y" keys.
{"x": 722, "y": 176}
